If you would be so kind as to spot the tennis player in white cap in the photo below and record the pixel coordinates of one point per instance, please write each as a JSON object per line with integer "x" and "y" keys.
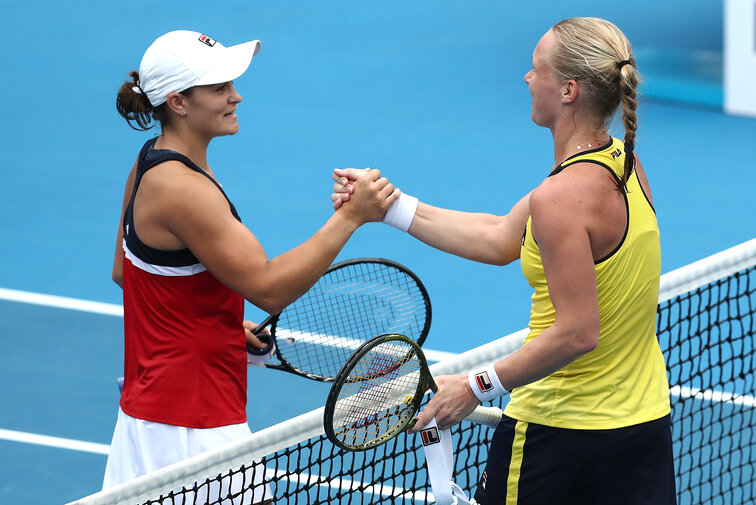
{"x": 186, "y": 263}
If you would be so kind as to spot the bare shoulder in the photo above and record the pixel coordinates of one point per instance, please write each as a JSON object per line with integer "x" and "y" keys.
{"x": 574, "y": 202}
{"x": 578, "y": 185}
{"x": 179, "y": 187}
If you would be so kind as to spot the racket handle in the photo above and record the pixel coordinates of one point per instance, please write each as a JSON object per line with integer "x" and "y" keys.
{"x": 265, "y": 339}
{"x": 260, "y": 327}
{"x": 490, "y": 416}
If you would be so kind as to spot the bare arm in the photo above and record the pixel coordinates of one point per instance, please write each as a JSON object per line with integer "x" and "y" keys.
{"x": 476, "y": 236}
{"x": 560, "y": 226}
{"x": 117, "y": 273}
{"x": 486, "y": 238}
{"x": 186, "y": 210}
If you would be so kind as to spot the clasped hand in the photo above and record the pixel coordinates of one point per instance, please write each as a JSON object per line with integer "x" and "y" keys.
{"x": 344, "y": 186}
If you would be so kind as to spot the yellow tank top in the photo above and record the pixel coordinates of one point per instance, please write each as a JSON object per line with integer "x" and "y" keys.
{"x": 623, "y": 381}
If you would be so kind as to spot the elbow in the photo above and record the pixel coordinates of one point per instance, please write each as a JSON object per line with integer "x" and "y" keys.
{"x": 501, "y": 260}
{"x": 271, "y": 307}
{"x": 579, "y": 339}
{"x": 585, "y": 340}
{"x": 503, "y": 255}
{"x": 269, "y": 303}
{"x": 117, "y": 278}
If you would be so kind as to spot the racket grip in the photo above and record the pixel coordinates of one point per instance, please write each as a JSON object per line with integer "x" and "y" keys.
{"x": 265, "y": 339}
{"x": 490, "y": 416}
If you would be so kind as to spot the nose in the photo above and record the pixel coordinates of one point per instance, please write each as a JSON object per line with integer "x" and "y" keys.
{"x": 528, "y": 76}
{"x": 234, "y": 97}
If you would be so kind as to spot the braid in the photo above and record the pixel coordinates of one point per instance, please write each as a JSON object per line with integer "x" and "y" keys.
{"x": 628, "y": 84}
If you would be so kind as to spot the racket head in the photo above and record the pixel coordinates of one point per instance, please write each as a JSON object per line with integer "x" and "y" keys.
{"x": 377, "y": 393}
{"x": 353, "y": 301}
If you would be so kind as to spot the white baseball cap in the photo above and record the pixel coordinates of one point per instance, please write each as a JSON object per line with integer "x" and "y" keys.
{"x": 181, "y": 59}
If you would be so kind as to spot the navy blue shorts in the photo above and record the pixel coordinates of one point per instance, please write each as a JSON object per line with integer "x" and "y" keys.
{"x": 531, "y": 464}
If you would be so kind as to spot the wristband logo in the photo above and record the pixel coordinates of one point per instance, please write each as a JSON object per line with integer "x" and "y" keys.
{"x": 484, "y": 382}
{"x": 430, "y": 436}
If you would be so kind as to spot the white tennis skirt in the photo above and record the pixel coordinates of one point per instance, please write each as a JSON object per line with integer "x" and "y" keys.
{"x": 139, "y": 447}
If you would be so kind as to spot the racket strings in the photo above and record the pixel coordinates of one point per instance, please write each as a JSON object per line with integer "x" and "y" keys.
{"x": 320, "y": 331}
{"x": 379, "y": 397}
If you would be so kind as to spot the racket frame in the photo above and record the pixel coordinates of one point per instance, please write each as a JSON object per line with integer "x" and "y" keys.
{"x": 272, "y": 320}
{"x": 425, "y": 380}
{"x": 488, "y": 416}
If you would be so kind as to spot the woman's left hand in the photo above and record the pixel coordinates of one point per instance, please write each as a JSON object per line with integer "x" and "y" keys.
{"x": 453, "y": 401}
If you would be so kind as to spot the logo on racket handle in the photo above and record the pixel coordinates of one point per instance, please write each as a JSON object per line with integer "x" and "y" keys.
{"x": 430, "y": 436}
{"x": 484, "y": 382}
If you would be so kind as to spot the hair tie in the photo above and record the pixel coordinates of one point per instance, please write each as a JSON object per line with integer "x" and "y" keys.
{"x": 136, "y": 89}
{"x": 622, "y": 63}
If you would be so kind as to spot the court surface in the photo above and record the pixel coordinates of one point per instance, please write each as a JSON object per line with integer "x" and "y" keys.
{"x": 431, "y": 93}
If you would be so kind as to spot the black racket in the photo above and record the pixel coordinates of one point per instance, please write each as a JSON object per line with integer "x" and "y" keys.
{"x": 378, "y": 392}
{"x": 354, "y": 300}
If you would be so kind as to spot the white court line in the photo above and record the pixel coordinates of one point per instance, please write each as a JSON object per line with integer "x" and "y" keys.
{"x": 77, "y": 445}
{"x": 61, "y": 302}
{"x": 109, "y": 309}
{"x": 711, "y": 395}
{"x": 61, "y": 443}
{"x": 117, "y": 310}
{"x": 112, "y": 309}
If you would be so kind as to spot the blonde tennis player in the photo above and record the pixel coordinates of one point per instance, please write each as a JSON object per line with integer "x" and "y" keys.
{"x": 588, "y": 419}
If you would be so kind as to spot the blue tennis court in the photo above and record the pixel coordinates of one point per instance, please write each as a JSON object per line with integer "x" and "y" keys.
{"x": 429, "y": 92}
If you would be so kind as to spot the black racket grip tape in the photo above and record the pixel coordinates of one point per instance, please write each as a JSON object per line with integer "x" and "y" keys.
{"x": 265, "y": 339}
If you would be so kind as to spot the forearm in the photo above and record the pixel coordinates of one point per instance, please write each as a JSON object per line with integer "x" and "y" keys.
{"x": 289, "y": 275}
{"x": 549, "y": 352}
{"x": 475, "y": 236}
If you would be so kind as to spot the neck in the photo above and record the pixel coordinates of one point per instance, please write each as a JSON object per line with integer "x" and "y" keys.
{"x": 192, "y": 148}
{"x": 571, "y": 142}
{"x": 576, "y": 130}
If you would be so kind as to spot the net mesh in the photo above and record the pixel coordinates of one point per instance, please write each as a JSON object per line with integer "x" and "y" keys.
{"x": 708, "y": 338}
{"x": 706, "y": 331}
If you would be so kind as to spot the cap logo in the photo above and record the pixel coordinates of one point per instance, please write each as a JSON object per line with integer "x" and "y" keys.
{"x": 430, "y": 436}
{"x": 207, "y": 40}
{"x": 483, "y": 382}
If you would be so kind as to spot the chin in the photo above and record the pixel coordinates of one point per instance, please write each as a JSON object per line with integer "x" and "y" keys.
{"x": 231, "y": 131}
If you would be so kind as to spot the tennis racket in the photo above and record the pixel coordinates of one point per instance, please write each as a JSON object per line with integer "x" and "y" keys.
{"x": 378, "y": 392}
{"x": 354, "y": 300}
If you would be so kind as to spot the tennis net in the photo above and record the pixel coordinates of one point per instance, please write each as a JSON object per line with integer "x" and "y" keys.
{"x": 705, "y": 327}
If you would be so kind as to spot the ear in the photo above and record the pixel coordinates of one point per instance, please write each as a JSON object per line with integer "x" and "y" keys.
{"x": 176, "y": 102}
{"x": 570, "y": 91}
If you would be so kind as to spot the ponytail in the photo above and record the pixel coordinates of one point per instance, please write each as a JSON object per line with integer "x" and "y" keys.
{"x": 133, "y": 105}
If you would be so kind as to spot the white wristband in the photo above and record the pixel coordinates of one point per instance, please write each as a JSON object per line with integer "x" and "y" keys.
{"x": 402, "y": 212}
{"x": 485, "y": 383}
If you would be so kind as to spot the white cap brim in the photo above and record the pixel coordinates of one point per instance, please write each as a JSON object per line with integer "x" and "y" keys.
{"x": 230, "y": 64}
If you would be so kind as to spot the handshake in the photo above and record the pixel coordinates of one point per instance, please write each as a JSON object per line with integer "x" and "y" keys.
{"x": 402, "y": 207}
